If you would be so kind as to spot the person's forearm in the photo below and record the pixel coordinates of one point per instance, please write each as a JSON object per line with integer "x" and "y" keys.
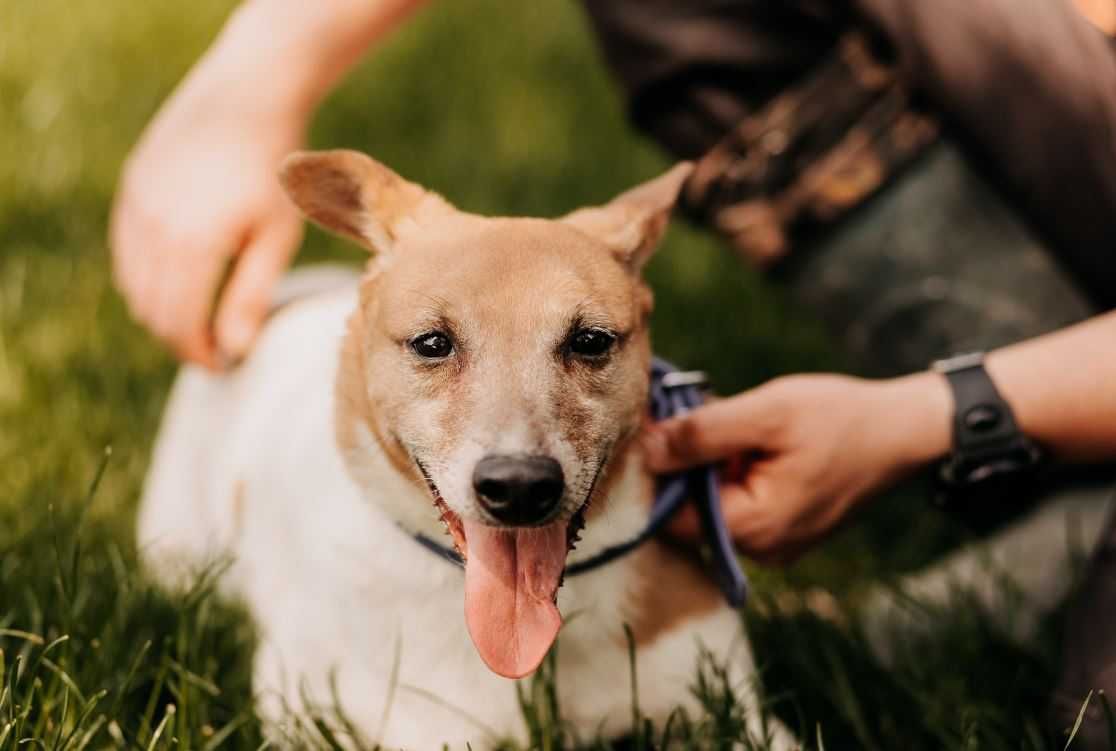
{"x": 817, "y": 446}
{"x": 1061, "y": 387}
{"x": 285, "y": 55}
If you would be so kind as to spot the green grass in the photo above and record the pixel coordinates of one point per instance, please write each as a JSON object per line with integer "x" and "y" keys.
{"x": 504, "y": 108}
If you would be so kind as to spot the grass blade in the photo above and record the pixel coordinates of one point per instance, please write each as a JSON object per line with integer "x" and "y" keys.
{"x": 637, "y": 716}
{"x": 25, "y": 635}
{"x": 393, "y": 684}
{"x": 1078, "y": 721}
{"x": 85, "y": 712}
{"x": 162, "y": 726}
{"x": 223, "y": 734}
{"x": 63, "y": 676}
{"x": 90, "y": 733}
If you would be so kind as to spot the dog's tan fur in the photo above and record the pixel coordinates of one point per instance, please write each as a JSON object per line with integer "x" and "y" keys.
{"x": 675, "y": 590}
{"x": 567, "y": 260}
{"x": 547, "y": 271}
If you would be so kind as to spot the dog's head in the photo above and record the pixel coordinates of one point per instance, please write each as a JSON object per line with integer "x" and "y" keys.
{"x": 502, "y": 362}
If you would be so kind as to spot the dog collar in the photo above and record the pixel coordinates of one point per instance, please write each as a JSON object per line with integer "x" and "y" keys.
{"x": 672, "y": 392}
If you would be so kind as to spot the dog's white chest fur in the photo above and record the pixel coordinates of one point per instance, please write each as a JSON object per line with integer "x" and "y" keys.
{"x": 247, "y": 469}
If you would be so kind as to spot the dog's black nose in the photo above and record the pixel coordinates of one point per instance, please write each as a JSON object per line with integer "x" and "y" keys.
{"x": 519, "y": 490}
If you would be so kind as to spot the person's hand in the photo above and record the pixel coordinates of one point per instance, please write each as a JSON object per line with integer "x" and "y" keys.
{"x": 803, "y": 451}
{"x": 199, "y": 191}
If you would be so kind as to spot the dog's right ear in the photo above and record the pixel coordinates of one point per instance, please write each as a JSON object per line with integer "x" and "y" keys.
{"x": 350, "y": 193}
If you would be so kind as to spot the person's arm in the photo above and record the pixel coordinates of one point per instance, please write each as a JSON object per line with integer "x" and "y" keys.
{"x": 200, "y": 187}
{"x": 816, "y": 446}
{"x": 1062, "y": 388}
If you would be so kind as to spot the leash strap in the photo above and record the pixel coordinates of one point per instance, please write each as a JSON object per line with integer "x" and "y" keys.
{"x": 672, "y": 392}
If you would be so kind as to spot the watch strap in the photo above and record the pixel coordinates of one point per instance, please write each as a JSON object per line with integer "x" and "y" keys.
{"x": 982, "y": 419}
{"x": 987, "y": 443}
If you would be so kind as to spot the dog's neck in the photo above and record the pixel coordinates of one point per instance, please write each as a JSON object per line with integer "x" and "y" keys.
{"x": 386, "y": 476}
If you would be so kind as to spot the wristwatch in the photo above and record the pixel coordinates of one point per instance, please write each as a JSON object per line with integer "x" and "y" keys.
{"x": 991, "y": 458}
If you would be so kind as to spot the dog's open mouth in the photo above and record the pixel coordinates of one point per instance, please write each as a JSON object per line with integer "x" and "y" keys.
{"x": 512, "y": 577}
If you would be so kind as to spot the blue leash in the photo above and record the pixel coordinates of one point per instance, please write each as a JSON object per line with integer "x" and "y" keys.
{"x": 673, "y": 392}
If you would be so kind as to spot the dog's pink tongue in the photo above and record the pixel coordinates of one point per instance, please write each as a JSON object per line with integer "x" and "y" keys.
{"x": 511, "y": 577}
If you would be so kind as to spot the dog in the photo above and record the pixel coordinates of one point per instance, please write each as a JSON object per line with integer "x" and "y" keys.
{"x": 486, "y": 378}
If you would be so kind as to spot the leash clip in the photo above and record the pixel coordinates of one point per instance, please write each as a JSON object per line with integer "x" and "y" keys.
{"x": 678, "y": 379}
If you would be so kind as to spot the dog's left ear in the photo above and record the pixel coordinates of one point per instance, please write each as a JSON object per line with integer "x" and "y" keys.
{"x": 633, "y": 223}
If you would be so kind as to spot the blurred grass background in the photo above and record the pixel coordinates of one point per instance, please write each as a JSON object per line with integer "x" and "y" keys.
{"x": 502, "y": 107}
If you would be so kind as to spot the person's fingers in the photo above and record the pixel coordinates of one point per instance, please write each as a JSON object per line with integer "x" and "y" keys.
{"x": 245, "y": 301}
{"x": 183, "y": 291}
{"x": 709, "y": 433}
{"x": 131, "y": 244}
{"x": 123, "y": 268}
{"x": 686, "y": 524}
{"x": 131, "y": 275}
{"x": 734, "y": 469}
{"x": 757, "y": 532}
{"x": 142, "y": 284}
{"x": 755, "y": 527}
{"x": 148, "y": 281}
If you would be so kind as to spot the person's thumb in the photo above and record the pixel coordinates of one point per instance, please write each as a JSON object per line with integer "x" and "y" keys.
{"x": 707, "y": 434}
{"x": 247, "y": 296}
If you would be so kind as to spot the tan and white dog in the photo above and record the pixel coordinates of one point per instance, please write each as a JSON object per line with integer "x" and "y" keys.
{"x": 485, "y": 377}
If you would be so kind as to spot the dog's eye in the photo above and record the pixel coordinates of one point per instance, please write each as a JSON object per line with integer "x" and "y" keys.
{"x": 591, "y": 343}
{"x": 433, "y": 345}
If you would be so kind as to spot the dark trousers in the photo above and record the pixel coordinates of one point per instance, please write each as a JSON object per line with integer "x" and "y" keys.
{"x": 935, "y": 265}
